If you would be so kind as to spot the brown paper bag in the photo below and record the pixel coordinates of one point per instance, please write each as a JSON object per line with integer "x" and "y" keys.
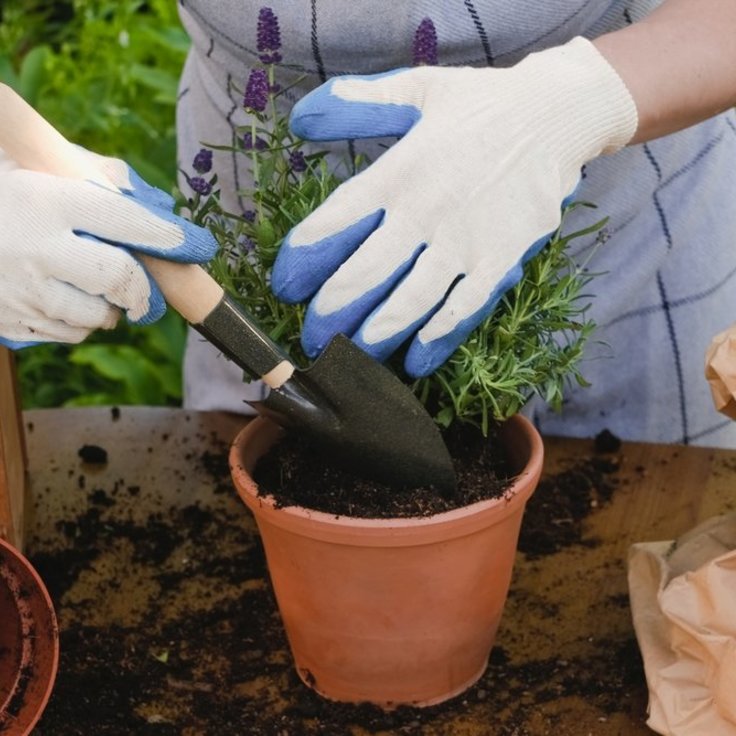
{"x": 720, "y": 371}
{"x": 683, "y": 602}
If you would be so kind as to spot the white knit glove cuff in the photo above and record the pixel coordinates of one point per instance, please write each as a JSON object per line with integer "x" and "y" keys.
{"x": 591, "y": 109}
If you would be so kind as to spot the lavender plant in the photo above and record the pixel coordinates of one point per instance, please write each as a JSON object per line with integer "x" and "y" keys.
{"x": 531, "y": 344}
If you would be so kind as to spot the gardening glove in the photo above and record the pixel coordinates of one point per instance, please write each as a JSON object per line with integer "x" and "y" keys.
{"x": 68, "y": 251}
{"x": 424, "y": 242}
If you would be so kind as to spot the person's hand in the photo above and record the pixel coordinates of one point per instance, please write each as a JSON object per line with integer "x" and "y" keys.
{"x": 67, "y": 251}
{"x": 422, "y": 244}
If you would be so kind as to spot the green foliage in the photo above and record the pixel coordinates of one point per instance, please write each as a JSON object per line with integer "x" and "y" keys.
{"x": 531, "y": 344}
{"x": 105, "y": 73}
{"x": 126, "y": 366}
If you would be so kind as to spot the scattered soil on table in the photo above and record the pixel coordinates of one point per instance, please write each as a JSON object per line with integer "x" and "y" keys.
{"x": 555, "y": 515}
{"x": 205, "y": 653}
{"x": 93, "y": 454}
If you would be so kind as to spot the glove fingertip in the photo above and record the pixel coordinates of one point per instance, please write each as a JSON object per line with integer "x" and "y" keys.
{"x": 141, "y": 190}
{"x": 314, "y": 337}
{"x": 422, "y": 360}
{"x": 382, "y": 350}
{"x": 300, "y": 270}
{"x": 320, "y": 328}
{"x": 379, "y": 351}
{"x": 156, "y": 305}
{"x": 308, "y": 111}
{"x": 324, "y": 115}
{"x": 200, "y": 245}
{"x": 291, "y": 280}
{"x": 196, "y": 244}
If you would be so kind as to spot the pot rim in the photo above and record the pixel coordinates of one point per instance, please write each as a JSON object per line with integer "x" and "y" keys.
{"x": 20, "y": 573}
{"x": 398, "y": 530}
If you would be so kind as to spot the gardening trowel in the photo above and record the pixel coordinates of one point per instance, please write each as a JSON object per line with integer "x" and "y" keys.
{"x": 346, "y": 401}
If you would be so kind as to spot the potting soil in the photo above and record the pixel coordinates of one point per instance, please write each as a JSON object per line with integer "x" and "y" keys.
{"x": 297, "y": 473}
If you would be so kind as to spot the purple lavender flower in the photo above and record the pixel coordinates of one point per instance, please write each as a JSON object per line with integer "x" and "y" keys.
{"x": 249, "y": 215}
{"x": 297, "y": 162}
{"x": 199, "y": 185}
{"x": 269, "y": 36}
{"x": 424, "y": 49}
{"x": 248, "y": 145}
{"x": 202, "y": 161}
{"x": 256, "y": 91}
{"x": 245, "y": 244}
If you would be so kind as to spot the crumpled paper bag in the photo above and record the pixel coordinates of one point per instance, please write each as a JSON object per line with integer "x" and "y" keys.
{"x": 683, "y": 603}
{"x": 720, "y": 371}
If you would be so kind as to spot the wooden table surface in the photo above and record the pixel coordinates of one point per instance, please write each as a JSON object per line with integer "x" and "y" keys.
{"x": 565, "y": 661}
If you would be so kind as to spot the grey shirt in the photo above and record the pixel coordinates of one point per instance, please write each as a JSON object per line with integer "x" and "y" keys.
{"x": 667, "y": 279}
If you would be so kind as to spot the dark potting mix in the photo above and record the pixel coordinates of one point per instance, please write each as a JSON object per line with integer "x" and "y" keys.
{"x": 299, "y": 474}
{"x": 169, "y": 624}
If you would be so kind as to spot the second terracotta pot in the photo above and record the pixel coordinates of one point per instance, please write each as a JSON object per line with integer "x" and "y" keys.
{"x": 390, "y": 611}
{"x": 29, "y": 644}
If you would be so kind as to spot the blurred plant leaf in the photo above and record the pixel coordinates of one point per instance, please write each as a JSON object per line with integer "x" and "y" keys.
{"x": 32, "y": 71}
{"x": 124, "y": 364}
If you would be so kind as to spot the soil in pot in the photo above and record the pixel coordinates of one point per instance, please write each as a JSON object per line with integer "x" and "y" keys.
{"x": 553, "y": 519}
{"x": 297, "y": 473}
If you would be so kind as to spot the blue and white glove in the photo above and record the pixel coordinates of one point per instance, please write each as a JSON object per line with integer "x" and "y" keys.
{"x": 67, "y": 251}
{"x": 421, "y": 245}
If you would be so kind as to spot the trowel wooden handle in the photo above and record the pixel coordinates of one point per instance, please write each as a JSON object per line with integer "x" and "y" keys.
{"x": 31, "y": 141}
{"x": 188, "y": 288}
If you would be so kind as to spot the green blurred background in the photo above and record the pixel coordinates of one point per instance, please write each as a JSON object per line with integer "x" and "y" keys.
{"x": 105, "y": 73}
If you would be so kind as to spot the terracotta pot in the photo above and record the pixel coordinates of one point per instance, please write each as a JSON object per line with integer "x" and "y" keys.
{"x": 390, "y": 611}
{"x": 29, "y": 644}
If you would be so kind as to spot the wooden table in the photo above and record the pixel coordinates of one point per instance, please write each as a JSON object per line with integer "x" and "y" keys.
{"x": 565, "y": 661}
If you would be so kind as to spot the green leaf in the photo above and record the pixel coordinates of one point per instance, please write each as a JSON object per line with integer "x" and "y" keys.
{"x": 170, "y": 38}
{"x": 126, "y": 365}
{"x": 167, "y": 337}
{"x": 7, "y": 73}
{"x": 99, "y": 398}
{"x": 32, "y": 71}
{"x": 265, "y": 233}
{"x": 159, "y": 80}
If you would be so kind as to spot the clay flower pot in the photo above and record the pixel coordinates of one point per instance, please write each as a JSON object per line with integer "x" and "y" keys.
{"x": 29, "y": 644}
{"x": 390, "y": 611}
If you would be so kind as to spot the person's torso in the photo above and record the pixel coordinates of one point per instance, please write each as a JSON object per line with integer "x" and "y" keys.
{"x": 328, "y": 37}
{"x": 666, "y": 276}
